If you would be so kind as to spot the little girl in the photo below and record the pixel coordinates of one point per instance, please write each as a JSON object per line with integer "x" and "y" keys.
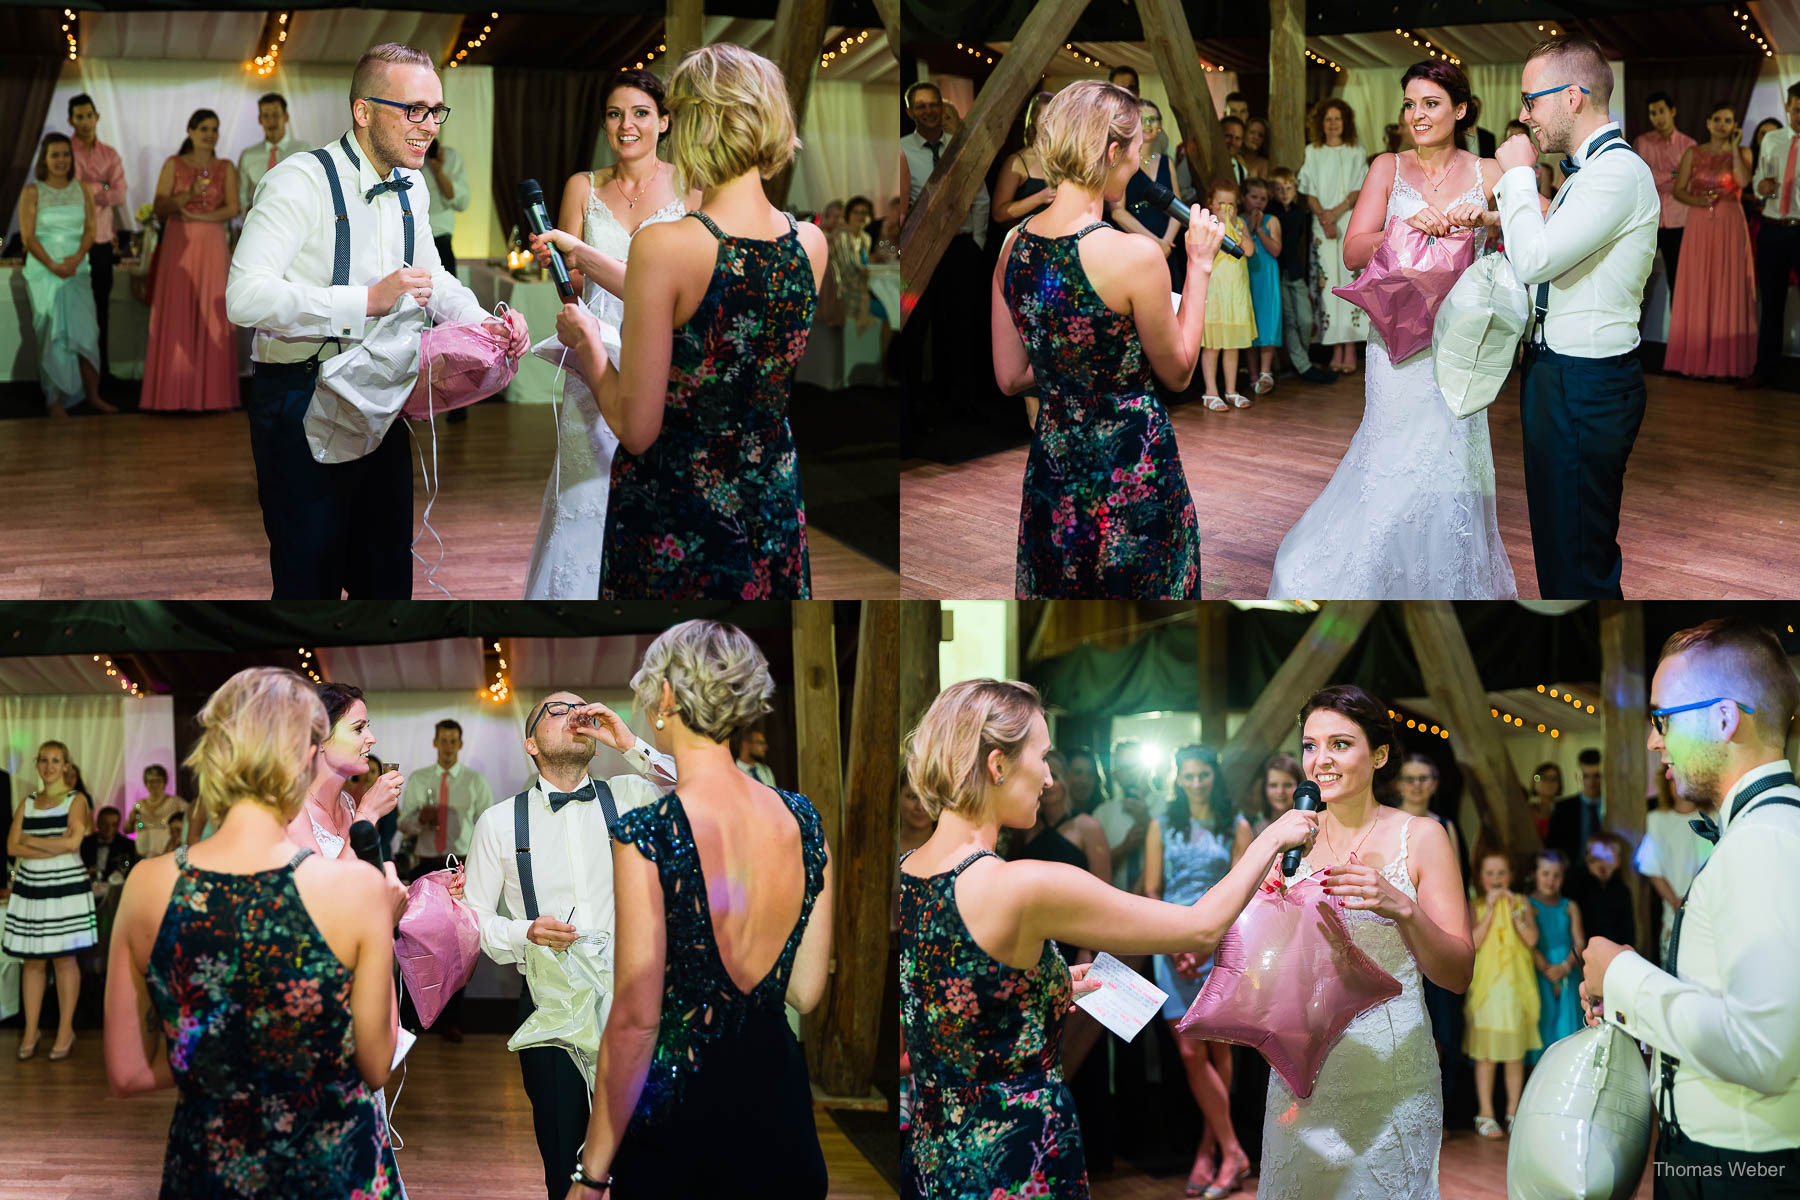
{"x": 1502, "y": 1006}
{"x": 1265, "y": 283}
{"x": 1230, "y": 317}
{"x": 1557, "y": 954}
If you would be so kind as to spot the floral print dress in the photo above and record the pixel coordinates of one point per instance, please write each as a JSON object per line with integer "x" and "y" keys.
{"x": 992, "y": 1117}
{"x": 255, "y": 1009}
{"x": 712, "y": 510}
{"x": 1106, "y": 510}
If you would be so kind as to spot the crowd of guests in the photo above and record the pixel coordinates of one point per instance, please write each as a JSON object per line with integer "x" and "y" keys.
{"x": 1168, "y": 830}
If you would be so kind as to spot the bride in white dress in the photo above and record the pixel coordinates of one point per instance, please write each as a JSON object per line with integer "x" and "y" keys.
{"x": 608, "y": 207}
{"x": 1374, "y": 1123}
{"x": 1410, "y": 512}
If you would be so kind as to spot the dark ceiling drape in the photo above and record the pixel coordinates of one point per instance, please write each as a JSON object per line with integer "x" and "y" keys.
{"x": 26, "y": 84}
{"x": 1695, "y": 85}
{"x": 545, "y": 126}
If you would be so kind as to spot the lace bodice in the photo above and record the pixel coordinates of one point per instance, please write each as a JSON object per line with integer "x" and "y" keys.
{"x": 330, "y": 844}
{"x": 602, "y": 229}
{"x": 58, "y": 197}
{"x": 1378, "y": 936}
{"x": 1404, "y": 200}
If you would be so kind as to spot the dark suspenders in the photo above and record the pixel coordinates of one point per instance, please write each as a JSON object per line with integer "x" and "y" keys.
{"x": 340, "y": 257}
{"x": 1542, "y": 299}
{"x": 522, "y": 838}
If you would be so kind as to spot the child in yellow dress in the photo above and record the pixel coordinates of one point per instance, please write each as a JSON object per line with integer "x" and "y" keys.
{"x": 1502, "y": 1005}
{"x": 1230, "y": 314}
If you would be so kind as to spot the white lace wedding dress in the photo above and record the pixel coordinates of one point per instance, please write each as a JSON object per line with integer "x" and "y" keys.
{"x": 1409, "y": 513}
{"x": 1372, "y": 1128}
{"x": 565, "y": 560}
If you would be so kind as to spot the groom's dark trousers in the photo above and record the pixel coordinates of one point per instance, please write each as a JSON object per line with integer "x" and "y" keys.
{"x": 1688, "y": 1170}
{"x": 332, "y": 527}
{"x": 1580, "y": 417}
{"x": 559, "y": 1105}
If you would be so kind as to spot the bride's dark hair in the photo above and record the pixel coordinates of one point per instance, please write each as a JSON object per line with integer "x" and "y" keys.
{"x": 1450, "y": 77}
{"x": 1370, "y": 715}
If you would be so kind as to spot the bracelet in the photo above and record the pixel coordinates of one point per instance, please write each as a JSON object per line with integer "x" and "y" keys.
{"x": 581, "y": 1176}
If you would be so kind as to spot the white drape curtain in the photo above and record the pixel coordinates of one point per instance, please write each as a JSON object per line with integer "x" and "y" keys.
{"x": 92, "y": 727}
{"x": 847, "y": 145}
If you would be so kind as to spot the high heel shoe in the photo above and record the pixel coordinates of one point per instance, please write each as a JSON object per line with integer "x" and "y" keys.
{"x": 30, "y": 1051}
{"x": 1218, "y": 1191}
{"x": 57, "y": 1055}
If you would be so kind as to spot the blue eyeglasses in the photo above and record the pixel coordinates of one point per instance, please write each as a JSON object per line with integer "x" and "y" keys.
{"x": 1527, "y": 99}
{"x": 416, "y": 113}
{"x": 1659, "y": 717}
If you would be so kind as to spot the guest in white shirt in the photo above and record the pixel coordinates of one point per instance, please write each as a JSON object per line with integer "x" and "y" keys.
{"x": 1582, "y": 395}
{"x": 1777, "y": 181}
{"x": 440, "y": 806}
{"x": 448, "y": 184}
{"x": 753, "y": 748}
{"x": 1723, "y": 1020}
{"x": 322, "y": 519}
{"x": 954, "y": 304}
{"x": 277, "y": 145}
{"x": 1669, "y": 857}
{"x": 571, "y": 862}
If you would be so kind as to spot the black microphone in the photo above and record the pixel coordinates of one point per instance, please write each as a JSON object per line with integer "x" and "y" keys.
{"x": 1306, "y": 797}
{"x": 531, "y": 199}
{"x": 1172, "y": 204}
{"x": 367, "y": 842}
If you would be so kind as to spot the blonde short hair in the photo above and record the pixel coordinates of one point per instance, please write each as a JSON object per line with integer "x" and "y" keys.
{"x": 731, "y": 115}
{"x": 949, "y": 749}
{"x": 1580, "y": 61}
{"x": 372, "y": 67}
{"x": 1076, "y": 128}
{"x": 719, "y": 677}
{"x": 254, "y": 732}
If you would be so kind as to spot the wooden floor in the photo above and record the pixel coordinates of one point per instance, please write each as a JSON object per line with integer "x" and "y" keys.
{"x": 1469, "y": 1168}
{"x": 164, "y": 507}
{"x": 1711, "y": 507}
{"x": 462, "y": 1115}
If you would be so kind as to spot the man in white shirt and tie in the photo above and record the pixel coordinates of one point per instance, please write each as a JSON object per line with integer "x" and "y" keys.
{"x": 343, "y": 526}
{"x": 1777, "y": 181}
{"x": 277, "y": 144}
{"x": 568, "y": 857}
{"x": 440, "y": 806}
{"x": 1585, "y": 263}
{"x": 1723, "y": 1019}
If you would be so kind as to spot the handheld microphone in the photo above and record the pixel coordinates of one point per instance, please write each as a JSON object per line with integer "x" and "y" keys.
{"x": 366, "y": 842}
{"x": 531, "y": 199}
{"x": 1306, "y": 796}
{"x": 1172, "y": 204}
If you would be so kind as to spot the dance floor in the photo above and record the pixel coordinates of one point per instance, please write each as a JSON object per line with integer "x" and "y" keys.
{"x": 1711, "y": 507}
{"x": 1469, "y": 1168}
{"x": 462, "y": 1115}
{"x": 165, "y": 507}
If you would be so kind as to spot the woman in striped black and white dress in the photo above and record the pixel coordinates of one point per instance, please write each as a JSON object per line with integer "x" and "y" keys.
{"x": 51, "y": 914}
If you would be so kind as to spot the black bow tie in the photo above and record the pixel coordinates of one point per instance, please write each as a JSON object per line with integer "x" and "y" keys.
{"x": 1707, "y": 828}
{"x": 558, "y": 799}
{"x": 399, "y": 183}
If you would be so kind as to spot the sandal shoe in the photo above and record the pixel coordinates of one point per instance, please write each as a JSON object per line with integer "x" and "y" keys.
{"x": 30, "y": 1051}
{"x": 1219, "y": 1191}
{"x": 1237, "y": 400}
{"x": 57, "y": 1055}
{"x": 1265, "y": 383}
{"x": 1487, "y": 1127}
{"x": 1216, "y": 403}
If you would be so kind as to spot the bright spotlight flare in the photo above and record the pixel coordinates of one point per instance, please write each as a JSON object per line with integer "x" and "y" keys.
{"x": 1306, "y": 796}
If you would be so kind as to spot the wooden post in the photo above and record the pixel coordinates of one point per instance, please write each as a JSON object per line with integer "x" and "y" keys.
{"x": 1210, "y": 654}
{"x": 821, "y": 762}
{"x": 684, "y": 29}
{"x": 889, "y": 12}
{"x": 943, "y": 205}
{"x": 921, "y": 632}
{"x": 1172, "y": 47}
{"x": 848, "y": 1024}
{"x": 1327, "y": 641}
{"x": 799, "y": 32}
{"x": 1624, "y": 712}
{"x": 1456, "y": 690}
{"x": 1287, "y": 82}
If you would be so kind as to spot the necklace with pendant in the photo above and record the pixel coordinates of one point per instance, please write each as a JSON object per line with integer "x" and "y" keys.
{"x": 630, "y": 200}
{"x": 1427, "y": 174}
{"x": 1360, "y": 841}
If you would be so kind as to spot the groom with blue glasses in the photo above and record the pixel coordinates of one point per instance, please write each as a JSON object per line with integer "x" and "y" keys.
{"x": 1585, "y": 262}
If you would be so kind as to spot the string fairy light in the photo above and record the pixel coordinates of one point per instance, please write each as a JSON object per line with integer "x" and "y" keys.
{"x": 116, "y": 673}
{"x": 71, "y": 31}
{"x": 850, "y": 41}
{"x": 1744, "y": 19}
{"x": 1426, "y": 44}
{"x": 263, "y": 65}
{"x": 1324, "y": 62}
{"x": 308, "y": 665}
{"x": 501, "y": 688}
{"x": 477, "y": 42}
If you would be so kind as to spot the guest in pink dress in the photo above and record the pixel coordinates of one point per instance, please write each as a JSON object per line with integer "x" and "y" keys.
{"x": 1712, "y": 320}
{"x": 192, "y": 360}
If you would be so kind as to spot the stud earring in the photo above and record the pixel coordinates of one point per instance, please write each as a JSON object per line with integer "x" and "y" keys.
{"x": 659, "y": 722}
{"x": 1000, "y": 778}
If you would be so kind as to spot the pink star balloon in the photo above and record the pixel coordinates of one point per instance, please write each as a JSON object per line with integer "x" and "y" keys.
{"x": 1286, "y": 981}
{"x": 1405, "y": 283}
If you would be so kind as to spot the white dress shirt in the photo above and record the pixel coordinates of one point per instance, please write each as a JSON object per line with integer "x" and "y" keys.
{"x": 280, "y": 282}
{"x": 571, "y": 866}
{"x": 443, "y": 212}
{"x": 1673, "y": 852}
{"x": 1730, "y": 1016}
{"x": 1771, "y": 163}
{"x": 918, "y": 169}
{"x": 1595, "y": 247}
{"x": 253, "y": 164}
{"x": 469, "y": 798}
{"x": 757, "y": 771}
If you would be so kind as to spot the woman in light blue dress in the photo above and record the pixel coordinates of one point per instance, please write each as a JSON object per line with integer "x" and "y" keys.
{"x": 1188, "y": 849}
{"x": 1557, "y": 954}
{"x": 56, "y": 223}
